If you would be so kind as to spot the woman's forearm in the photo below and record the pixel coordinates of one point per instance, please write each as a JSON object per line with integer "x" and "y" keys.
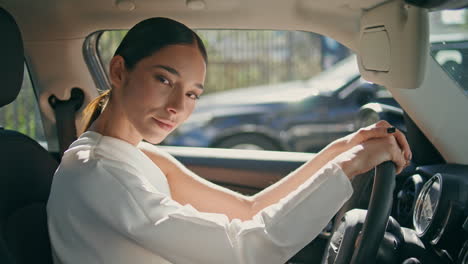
{"x": 283, "y": 187}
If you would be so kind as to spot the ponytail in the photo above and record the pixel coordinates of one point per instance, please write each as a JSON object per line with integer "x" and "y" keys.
{"x": 94, "y": 109}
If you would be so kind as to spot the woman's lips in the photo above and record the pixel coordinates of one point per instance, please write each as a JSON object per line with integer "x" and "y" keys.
{"x": 164, "y": 124}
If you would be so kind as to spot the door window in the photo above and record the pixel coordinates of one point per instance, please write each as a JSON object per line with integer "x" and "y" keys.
{"x": 268, "y": 90}
{"x": 23, "y": 114}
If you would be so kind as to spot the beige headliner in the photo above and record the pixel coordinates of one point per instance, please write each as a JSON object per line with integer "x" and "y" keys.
{"x": 70, "y": 19}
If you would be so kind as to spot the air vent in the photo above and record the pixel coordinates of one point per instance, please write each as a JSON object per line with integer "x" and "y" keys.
{"x": 406, "y": 198}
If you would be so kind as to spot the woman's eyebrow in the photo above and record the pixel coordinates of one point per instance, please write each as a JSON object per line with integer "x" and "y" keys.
{"x": 168, "y": 68}
{"x": 175, "y": 72}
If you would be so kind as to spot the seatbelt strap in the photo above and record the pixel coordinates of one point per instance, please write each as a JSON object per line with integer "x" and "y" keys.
{"x": 65, "y": 117}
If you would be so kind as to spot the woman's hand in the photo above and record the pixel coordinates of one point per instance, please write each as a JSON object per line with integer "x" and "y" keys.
{"x": 377, "y": 130}
{"x": 365, "y": 156}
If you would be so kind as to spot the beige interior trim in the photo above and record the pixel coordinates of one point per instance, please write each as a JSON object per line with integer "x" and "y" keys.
{"x": 423, "y": 105}
{"x": 58, "y": 19}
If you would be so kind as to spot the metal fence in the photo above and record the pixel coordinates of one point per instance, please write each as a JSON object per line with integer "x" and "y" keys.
{"x": 243, "y": 58}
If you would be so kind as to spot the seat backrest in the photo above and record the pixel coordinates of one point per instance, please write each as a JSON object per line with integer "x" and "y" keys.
{"x": 26, "y": 169}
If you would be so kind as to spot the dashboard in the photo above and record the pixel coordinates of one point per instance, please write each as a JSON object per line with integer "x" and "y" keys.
{"x": 430, "y": 202}
{"x": 433, "y": 201}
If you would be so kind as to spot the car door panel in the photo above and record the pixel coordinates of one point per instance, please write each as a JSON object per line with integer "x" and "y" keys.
{"x": 245, "y": 170}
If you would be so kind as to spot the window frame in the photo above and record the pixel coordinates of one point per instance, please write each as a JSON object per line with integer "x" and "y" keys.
{"x": 93, "y": 61}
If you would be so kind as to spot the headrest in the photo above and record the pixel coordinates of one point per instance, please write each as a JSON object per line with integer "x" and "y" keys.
{"x": 11, "y": 58}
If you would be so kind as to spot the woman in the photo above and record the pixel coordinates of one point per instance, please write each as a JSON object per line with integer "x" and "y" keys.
{"x": 116, "y": 199}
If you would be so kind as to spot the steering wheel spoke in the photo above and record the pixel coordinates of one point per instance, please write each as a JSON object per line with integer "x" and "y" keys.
{"x": 369, "y": 225}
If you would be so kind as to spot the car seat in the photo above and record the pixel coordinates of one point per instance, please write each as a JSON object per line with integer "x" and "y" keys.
{"x": 26, "y": 167}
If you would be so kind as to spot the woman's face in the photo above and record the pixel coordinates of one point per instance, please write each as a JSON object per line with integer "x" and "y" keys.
{"x": 160, "y": 92}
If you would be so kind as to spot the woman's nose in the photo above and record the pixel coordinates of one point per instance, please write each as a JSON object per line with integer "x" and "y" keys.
{"x": 175, "y": 103}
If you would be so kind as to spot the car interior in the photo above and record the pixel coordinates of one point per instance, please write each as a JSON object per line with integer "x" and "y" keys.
{"x": 417, "y": 216}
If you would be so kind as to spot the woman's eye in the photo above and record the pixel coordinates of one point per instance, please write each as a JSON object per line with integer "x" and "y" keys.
{"x": 163, "y": 80}
{"x": 193, "y": 96}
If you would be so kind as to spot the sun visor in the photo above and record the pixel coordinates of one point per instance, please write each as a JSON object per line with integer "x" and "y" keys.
{"x": 393, "y": 45}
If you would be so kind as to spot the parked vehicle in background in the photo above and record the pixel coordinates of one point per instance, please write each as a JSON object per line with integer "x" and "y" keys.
{"x": 293, "y": 116}
{"x": 303, "y": 116}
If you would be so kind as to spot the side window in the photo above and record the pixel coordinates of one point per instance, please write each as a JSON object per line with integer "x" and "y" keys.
{"x": 269, "y": 90}
{"x": 23, "y": 115}
{"x": 449, "y": 43}
{"x": 453, "y": 60}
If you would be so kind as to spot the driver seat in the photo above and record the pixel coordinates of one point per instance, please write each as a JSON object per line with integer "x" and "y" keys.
{"x": 26, "y": 167}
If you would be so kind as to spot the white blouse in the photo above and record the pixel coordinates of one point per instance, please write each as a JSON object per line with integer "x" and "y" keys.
{"x": 110, "y": 203}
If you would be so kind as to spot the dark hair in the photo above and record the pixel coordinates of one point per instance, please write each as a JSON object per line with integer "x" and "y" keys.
{"x": 141, "y": 41}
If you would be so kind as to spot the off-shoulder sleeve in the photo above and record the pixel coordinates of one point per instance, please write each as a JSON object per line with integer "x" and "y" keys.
{"x": 181, "y": 234}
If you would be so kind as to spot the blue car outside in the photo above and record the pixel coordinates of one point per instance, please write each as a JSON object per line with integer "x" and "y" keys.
{"x": 294, "y": 116}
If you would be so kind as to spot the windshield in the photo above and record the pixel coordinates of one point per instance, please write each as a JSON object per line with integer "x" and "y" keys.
{"x": 449, "y": 44}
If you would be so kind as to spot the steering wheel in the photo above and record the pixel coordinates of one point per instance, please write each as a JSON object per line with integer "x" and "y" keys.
{"x": 348, "y": 244}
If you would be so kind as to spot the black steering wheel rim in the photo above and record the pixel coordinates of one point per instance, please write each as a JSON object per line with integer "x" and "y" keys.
{"x": 364, "y": 249}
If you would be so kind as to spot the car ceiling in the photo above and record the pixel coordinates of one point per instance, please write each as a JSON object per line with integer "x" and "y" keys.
{"x": 67, "y": 19}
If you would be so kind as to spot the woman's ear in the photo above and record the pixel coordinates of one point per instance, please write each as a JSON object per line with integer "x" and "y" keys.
{"x": 117, "y": 71}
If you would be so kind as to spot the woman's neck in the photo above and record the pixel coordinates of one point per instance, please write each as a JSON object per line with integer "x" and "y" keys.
{"x": 112, "y": 122}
